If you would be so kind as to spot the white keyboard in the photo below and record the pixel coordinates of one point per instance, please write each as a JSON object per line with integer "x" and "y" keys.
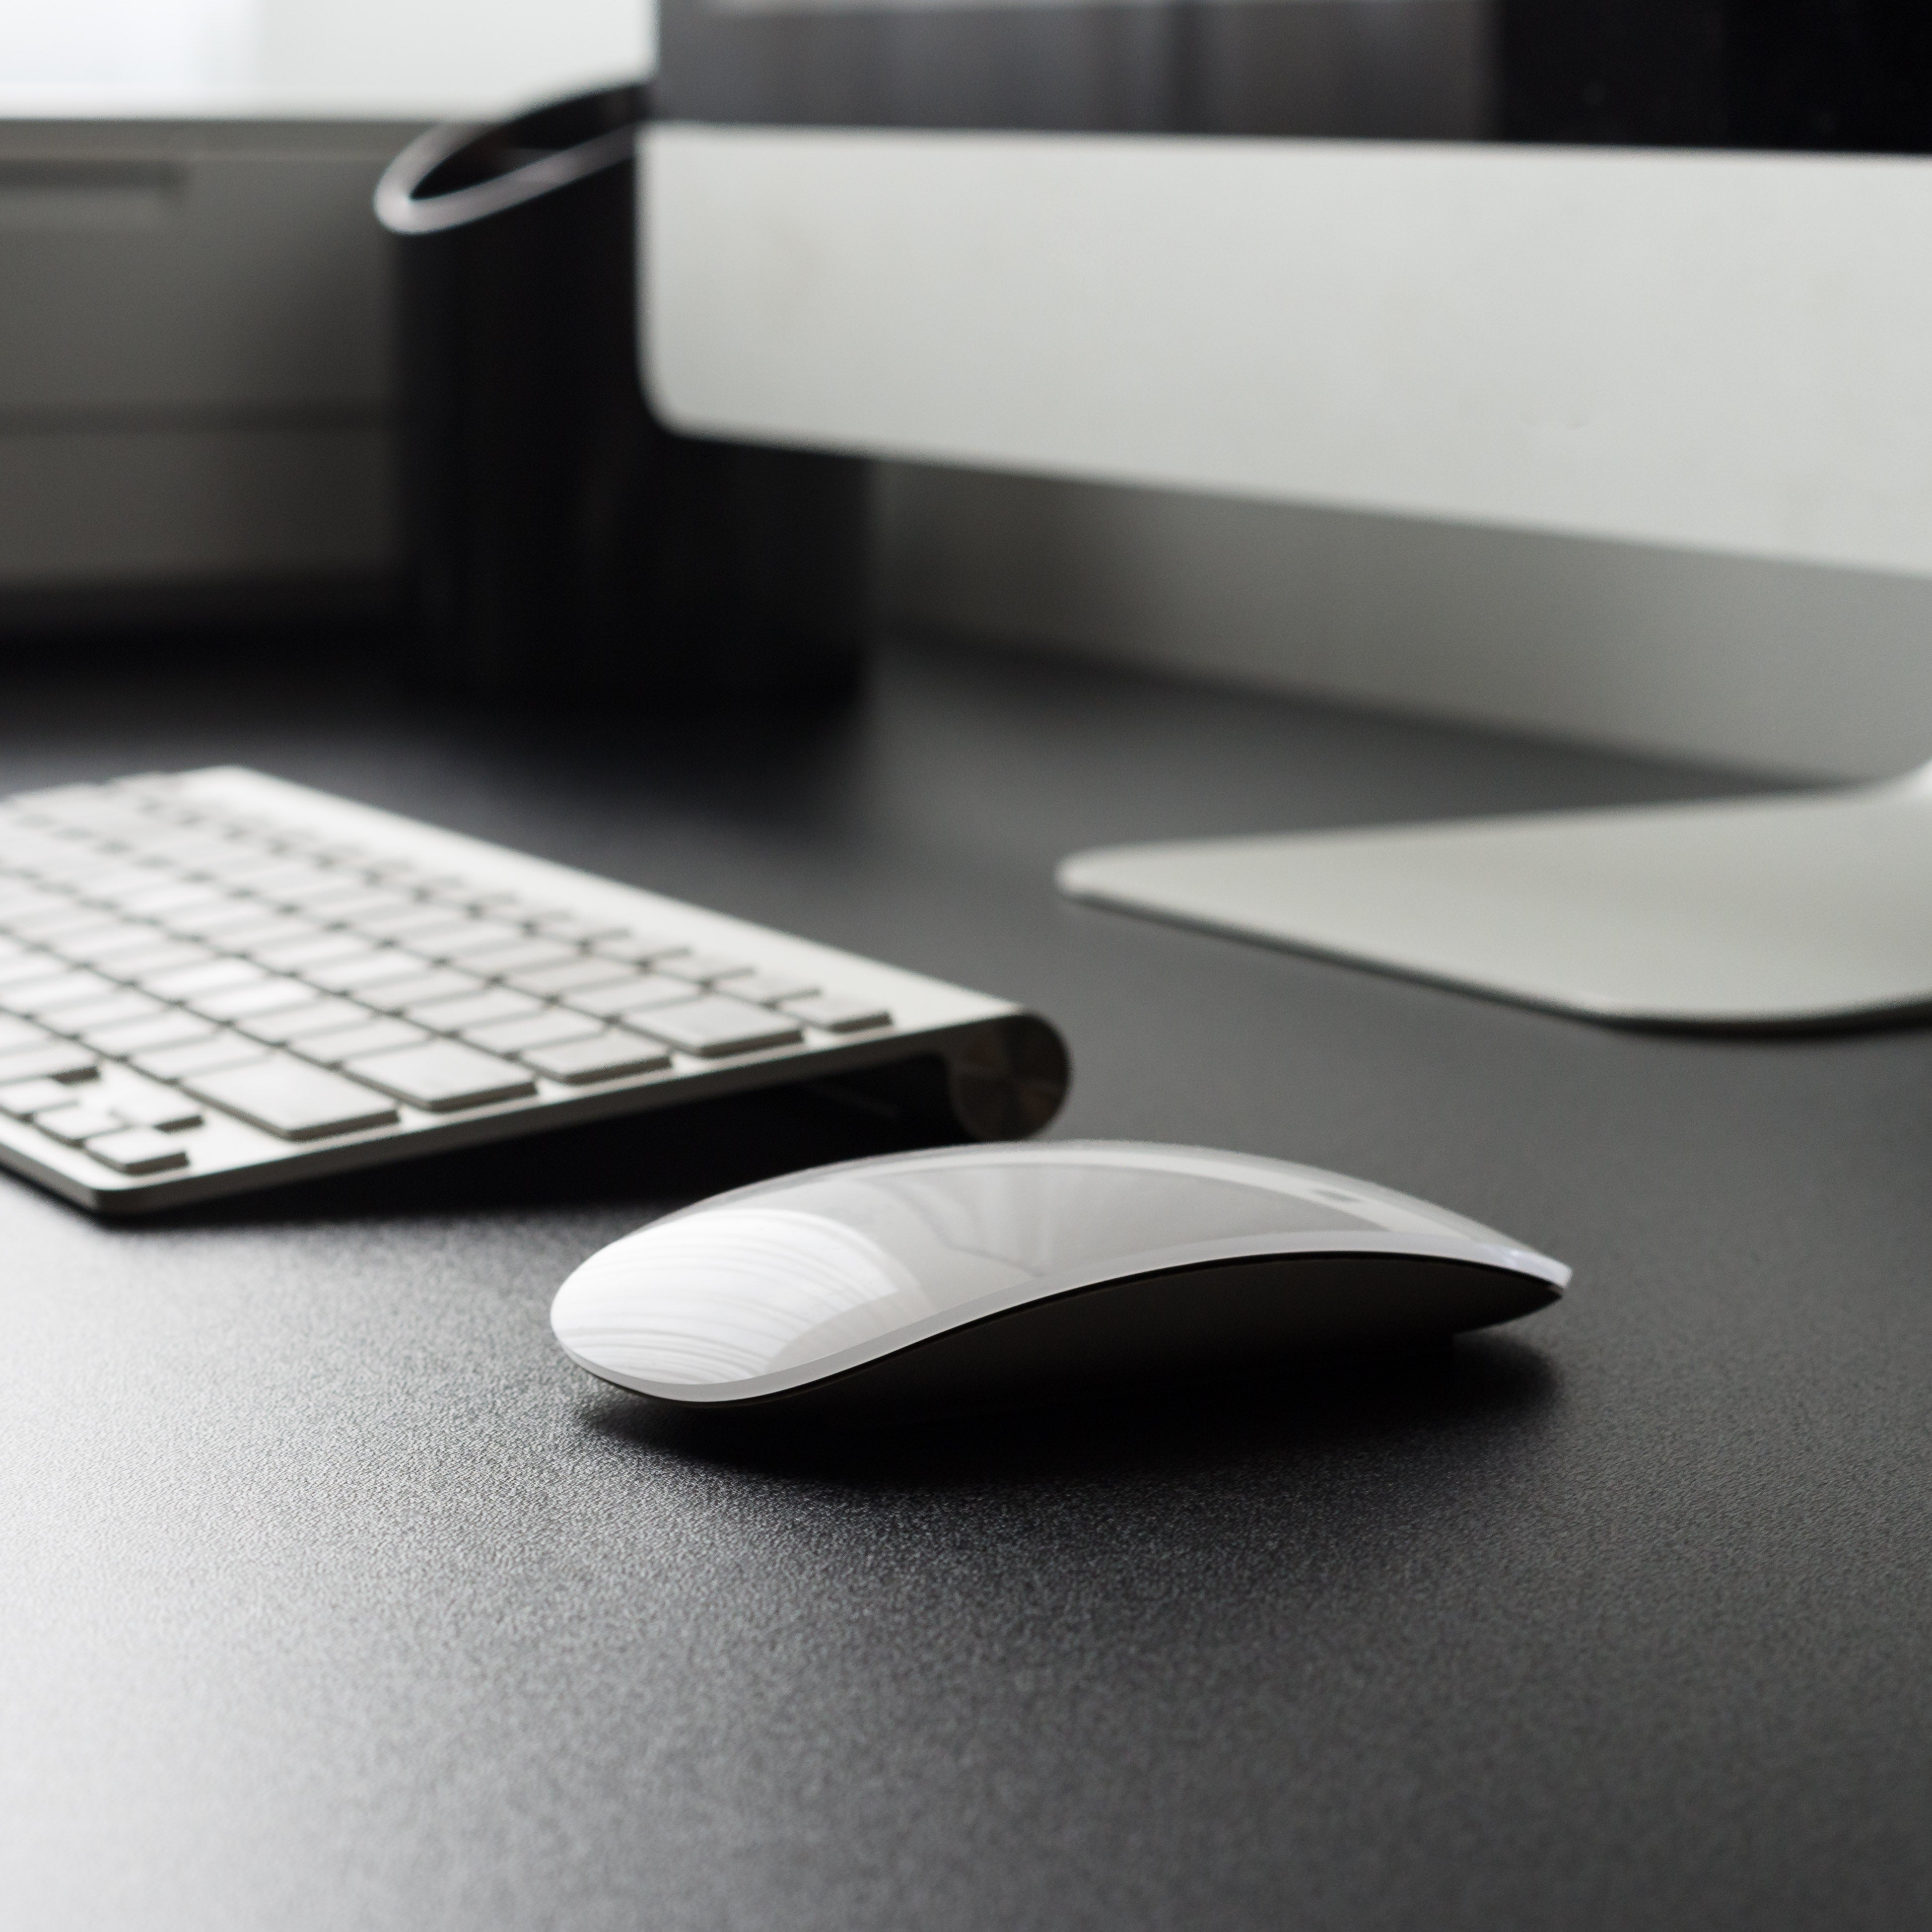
{"x": 218, "y": 981}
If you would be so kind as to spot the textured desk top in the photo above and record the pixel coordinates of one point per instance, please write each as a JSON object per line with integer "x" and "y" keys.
{"x": 331, "y": 1597}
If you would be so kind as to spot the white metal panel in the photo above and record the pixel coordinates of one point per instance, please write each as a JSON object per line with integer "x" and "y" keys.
{"x": 1708, "y": 350}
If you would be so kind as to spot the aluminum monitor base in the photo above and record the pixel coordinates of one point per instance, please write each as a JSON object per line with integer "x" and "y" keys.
{"x": 1795, "y": 913}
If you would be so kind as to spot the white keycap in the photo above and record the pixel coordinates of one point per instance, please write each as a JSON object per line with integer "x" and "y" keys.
{"x": 611, "y": 1055}
{"x": 569, "y": 976}
{"x": 476, "y": 935}
{"x": 172, "y": 1028}
{"x": 19, "y": 1033}
{"x": 701, "y": 968}
{"x": 766, "y": 989}
{"x": 832, "y": 1012}
{"x": 524, "y": 956}
{"x": 443, "y": 1076}
{"x": 578, "y": 931}
{"x": 56, "y": 1060}
{"x": 319, "y": 1016}
{"x": 632, "y": 994}
{"x": 74, "y": 988}
{"x": 213, "y": 976}
{"x": 413, "y": 920}
{"x": 483, "y": 1008}
{"x": 304, "y": 955}
{"x": 199, "y": 1056}
{"x": 297, "y": 1101}
{"x": 373, "y": 968}
{"x": 241, "y": 1002}
{"x": 138, "y": 1150}
{"x": 24, "y": 968}
{"x": 156, "y": 1106}
{"x": 23, "y": 1099}
{"x": 116, "y": 1009}
{"x": 637, "y": 949}
{"x": 444, "y": 982}
{"x": 715, "y": 1027}
{"x": 162, "y": 957}
{"x": 74, "y": 1124}
{"x": 550, "y": 1027}
{"x": 259, "y": 941}
{"x": 332, "y": 1049}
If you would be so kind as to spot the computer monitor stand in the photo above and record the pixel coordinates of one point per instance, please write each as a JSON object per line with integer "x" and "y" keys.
{"x": 1793, "y": 913}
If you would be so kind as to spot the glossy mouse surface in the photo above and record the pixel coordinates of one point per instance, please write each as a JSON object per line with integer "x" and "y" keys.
{"x": 941, "y": 1272}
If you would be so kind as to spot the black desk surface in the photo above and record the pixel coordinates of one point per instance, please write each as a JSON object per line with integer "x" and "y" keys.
{"x": 333, "y": 1597}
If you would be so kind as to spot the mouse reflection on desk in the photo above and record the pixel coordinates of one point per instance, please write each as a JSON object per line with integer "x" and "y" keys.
{"x": 950, "y": 1275}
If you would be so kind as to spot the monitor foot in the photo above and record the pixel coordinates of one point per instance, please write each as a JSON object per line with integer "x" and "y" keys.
{"x": 1797, "y": 912}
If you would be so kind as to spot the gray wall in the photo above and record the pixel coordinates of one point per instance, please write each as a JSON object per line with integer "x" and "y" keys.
{"x": 1784, "y": 667}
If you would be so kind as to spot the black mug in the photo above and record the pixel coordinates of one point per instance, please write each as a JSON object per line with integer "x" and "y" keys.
{"x": 558, "y": 540}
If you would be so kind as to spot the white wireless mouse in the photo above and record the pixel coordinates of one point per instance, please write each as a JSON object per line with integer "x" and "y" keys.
{"x": 942, "y": 1273}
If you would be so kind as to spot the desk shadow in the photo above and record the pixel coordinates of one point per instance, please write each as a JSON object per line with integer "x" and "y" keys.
{"x": 644, "y": 1161}
{"x": 1474, "y": 1387}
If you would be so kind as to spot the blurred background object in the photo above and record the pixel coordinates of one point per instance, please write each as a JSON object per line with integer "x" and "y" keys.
{"x": 195, "y": 380}
{"x": 559, "y": 542}
{"x": 197, "y": 415}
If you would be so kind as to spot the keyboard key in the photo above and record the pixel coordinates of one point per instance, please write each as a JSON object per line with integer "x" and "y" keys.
{"x": 294, "y": 1023}
{"x": 296, "y": 1101}
{"x": 24, "y": 968}
{"x": 578, "y": 932}
{"x": 411, "y": 919}
{"x": 494, "y": 1003}
{"x": 74, "y": 988}
{"x": 250, "y": 862}
{"x": 19, "y": 1033}
{"x": 443, "y": 1076}
{"x": 119, "y": 1006}
{"x": 73, "y": 1124}
{"x": 56, "y": 1060}
{"x": 162, "y": 957}
{"x": 550, "y": 1027}
{"x": 110, "y": 886}
{"x": 713, "y": 1026}
{"x": 282, "y": 929}
{"x": 111, "y": 942}
{"x": 211, "y": 975}
{"x": 474, "y": 935}
{"x": 610, "y": 1055}
{"x": 701, "y": 968}
{"x": 352, "y": 908}
{"x": 138, "y": 1150}
{"x": 638, "y": 949}
{"x": 333, "y": 1047}
{"x": 367, "y": 969}
{"x": 832, "y": 1012}
{"x": 168, "y": 1028}
{"x": 328, "y": 890}
{"x": 524, "y": 957}
{"x": 23, "y": 1099}
{"x": 171, "y": 895}
{"x": 767, "y": 989}
{"x": 445, "y": 983}
{"x": 211, "y": 922}
{"x": 68, "y": 919}
{"x": 295, "y": 877}
{"x": 198, "y": 1056}
{"x": 264, "y": 996}
{"x": 631, "y": 994}
{"x": 24, "y": 902}
{"x": 569, "y": 976}
{"x": 159, "y": 1107}
{"x": 302, "y": 956}
{"x": 265, "y": 926}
